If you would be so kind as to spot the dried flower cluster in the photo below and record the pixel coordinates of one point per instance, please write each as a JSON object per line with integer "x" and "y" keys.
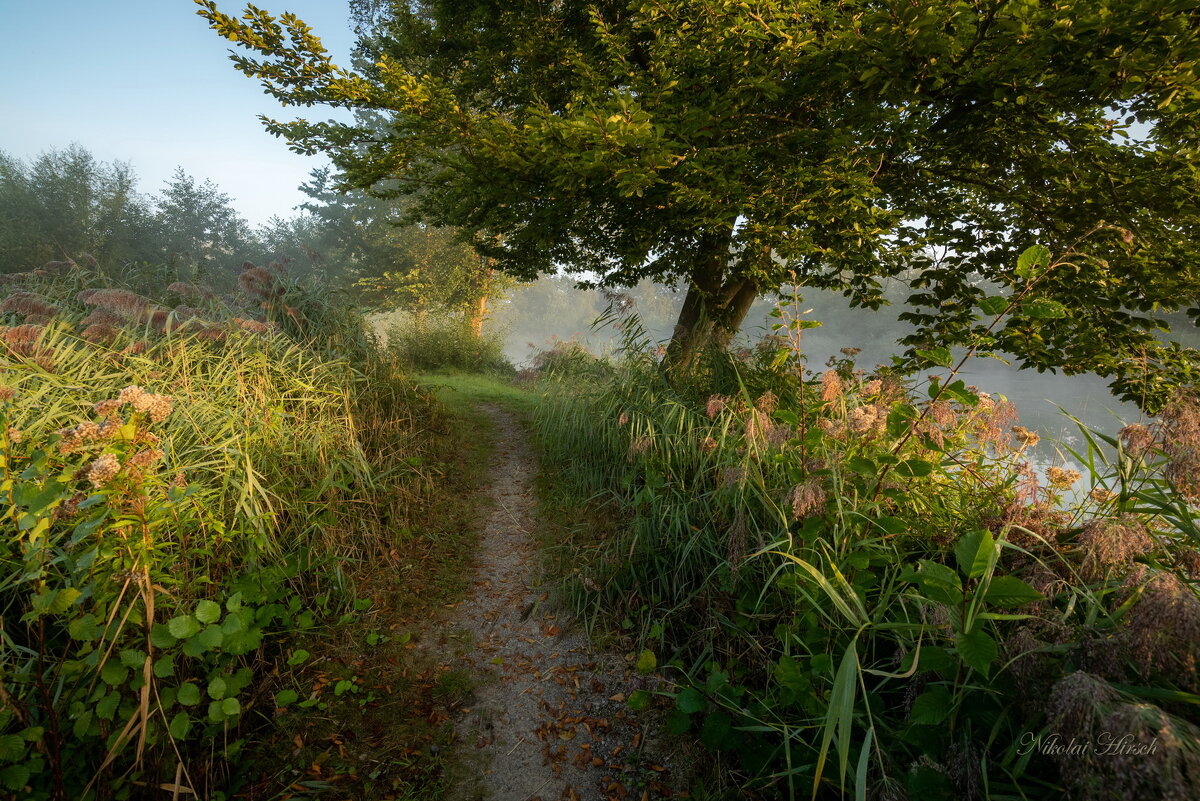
{"x": 1107, "y": 544}
{"x": 832, "y": 386}
{"x": 103, "y": 470}
{"x": 259, "y": 284}
{"x": 1062, "y": 478}
{"x": 1180, "y": 426}
{"x": 157, "y": 406}
{"x": 28, "y": 305}
{"x": 807, "y": 499}
{"x": 1025, "y": 438}
{"x": 1163, "y": 634}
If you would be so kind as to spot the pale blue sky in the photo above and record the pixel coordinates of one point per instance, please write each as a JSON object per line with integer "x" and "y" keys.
{"x": 146, "y": 81}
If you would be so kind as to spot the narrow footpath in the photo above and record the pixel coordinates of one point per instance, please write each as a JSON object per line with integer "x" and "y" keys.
{"x": 547, "y": 720}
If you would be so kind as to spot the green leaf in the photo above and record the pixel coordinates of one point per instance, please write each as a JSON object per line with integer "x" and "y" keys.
{"x": 678, "y": 722}
{"x": 216, "y": 688}
{"x": 161, "y": 636}
{"x": 690, "y": 701}
{"x": 231, "y": 707}
{"x": 1010, "y": 591}
{"x": 12, "y": 747}
{"x": 132, "y": 658}
{"x": 15, "y": 777}
{"x": 286, "y": 697}
{"x": 63, "y": 600}
{"x": 977, "y": 649}
{"x": 914, "y": 468}
{"x": 646, "y": 662}
{"x": 84, "y": 628}
{"x": 211, "y": 637}
{"x": 106, "y": 709}
{"x": 862, "y": 465}
{"x": 1032, "y": 259}
{"x": 183, "y": 626}
{"x": 297, "y": 657}
{"x": 975, "y": 551}
{"x": 931, "y": 707}
{"x": 716, "y": 730}
{"x": 638, "y": 700}
{"x": 113, "y": 673}
{"x": 1041, "y": 309}
{"x": 181, "y": 724}
{"x": 164, "y": 666}
{"x": 189, "y": 694}
{"x": 993, "y": 305}
{"x": 208, "y": 611}
{"x": 939, "y": 356}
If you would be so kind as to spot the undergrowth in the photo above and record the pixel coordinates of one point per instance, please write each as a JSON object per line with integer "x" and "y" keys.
{"x": 863, "y": 588}
{"x": 190, "y": 482}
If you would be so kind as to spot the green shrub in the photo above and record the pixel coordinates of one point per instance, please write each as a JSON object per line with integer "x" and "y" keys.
{"x": 863, "y": 589}
{"x": 445, "y": 342}
{"x": 182, "y": 488}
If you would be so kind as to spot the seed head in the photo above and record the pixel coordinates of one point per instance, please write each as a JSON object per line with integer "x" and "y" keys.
{"x": 1025, "y": 437}
{"x": 831, "y": 386}
{"x": 716, "y": 404}
{"x": 1061, "y": 478}
{"x": 1106, "y": 544}
{"x": 1136, "y": 439}
{"x": 103, "y": 470}
{"x": 807, "y": 498}
{"x": 15, "y": 435}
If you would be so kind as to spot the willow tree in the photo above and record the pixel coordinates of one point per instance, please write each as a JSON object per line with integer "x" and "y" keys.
{"x": 730, "y": 145}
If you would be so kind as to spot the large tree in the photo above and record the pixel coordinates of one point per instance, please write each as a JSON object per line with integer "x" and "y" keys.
{"x": 728, "y": 145}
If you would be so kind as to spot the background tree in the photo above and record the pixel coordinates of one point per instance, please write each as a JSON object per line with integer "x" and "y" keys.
{"x": 64, "y": 203}
{"x": 200, "y": 227}
{"x": 396, "y": 262}
{"x": 726, "y": 143}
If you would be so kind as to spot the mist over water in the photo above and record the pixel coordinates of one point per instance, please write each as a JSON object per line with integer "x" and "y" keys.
{"x": 536, "y": 315}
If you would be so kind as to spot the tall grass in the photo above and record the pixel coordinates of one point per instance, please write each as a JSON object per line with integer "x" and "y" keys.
{"x": 186, "y": 480}
{"x": 863, "y": 590}
{"x": 444, "y": 341}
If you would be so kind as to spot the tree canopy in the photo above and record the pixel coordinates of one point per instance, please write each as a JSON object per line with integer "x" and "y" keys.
{"x": 733, "y": 146}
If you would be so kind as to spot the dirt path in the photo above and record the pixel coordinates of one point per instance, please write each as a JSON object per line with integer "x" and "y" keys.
{"x": 547, "y": 720}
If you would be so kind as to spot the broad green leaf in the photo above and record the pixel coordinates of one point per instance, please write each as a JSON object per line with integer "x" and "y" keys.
{"x": 189, "y": 694}
{"x": 181, "y": 724}
{"x": 914, "y": 468}
{"x": 974, "y": 552}
{"x": 183, "y": 626}
{"x": 638, "y": 700}
{"x": 646, "y": 662}
{"x": 297, "y": 657}
{"x": 211, "y": 637}
{"x": 993, "y": 305}
{"x": 208, "y": 611}
{"x": 132, "y": 658}
{"x": 12, "y": 747}
{"x": 1009, "y": 592}
{"x": 84, "y": 628}
{"x": 939, "y": 356}
{"x": 931, "y": 707}
{"x": 1041, "y": 309}
{"x": 231, "y": 707}
{"x": 1034, "y": 258}
{"x": 286, "y": 697}
{"x": 690, "y": 701}
{"x": 216, "y": 688}
{"x": 161, "y": 636}
{"x": 977, "y": 649}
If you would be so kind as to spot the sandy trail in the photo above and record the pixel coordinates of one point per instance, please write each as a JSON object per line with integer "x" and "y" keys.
{"x": 548, "y": 719}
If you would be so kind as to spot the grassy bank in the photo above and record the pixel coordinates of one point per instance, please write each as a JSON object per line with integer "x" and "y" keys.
{"x": 863, "y": 589}
{"x": 191, "y": 482}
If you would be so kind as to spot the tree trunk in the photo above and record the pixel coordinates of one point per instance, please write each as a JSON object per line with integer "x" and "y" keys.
{"x": 478, "y": 309}
{"x": 478, "y": 312}
{"x": 713, "y": 309}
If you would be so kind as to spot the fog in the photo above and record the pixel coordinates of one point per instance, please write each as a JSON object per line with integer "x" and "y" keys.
{"x": 537, "y": 314}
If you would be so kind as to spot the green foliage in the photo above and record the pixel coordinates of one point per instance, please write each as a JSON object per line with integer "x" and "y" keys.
{"x": 862, "y": 588}
{"x": 730, "y": 146}
{"x": 431, "y": 342}
{"x": 180, "y": 492}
